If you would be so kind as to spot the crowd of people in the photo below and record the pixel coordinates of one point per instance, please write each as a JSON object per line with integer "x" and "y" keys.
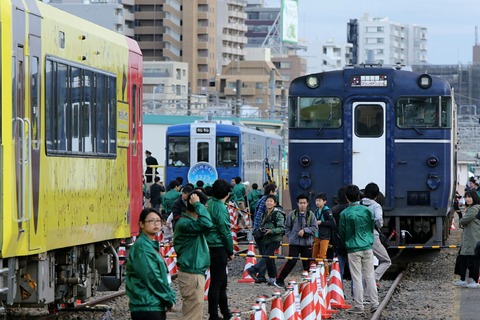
{"x": 198, "y": 222}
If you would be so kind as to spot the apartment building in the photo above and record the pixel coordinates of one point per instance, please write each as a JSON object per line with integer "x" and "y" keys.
{"x": 378, "y": 40}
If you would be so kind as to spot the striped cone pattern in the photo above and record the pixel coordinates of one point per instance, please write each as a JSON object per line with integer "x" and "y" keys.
{"x": 306, "y": 303}
{"x": 235, "y": 239}
{"x": 316, "y": 298}
{"x": 261, "y": 301}
{"x": 289, "y": 307}
{"x": 335, "y": 288}
{"x": 322, "y": 290}
{"x": 231, "y": 212}
{"x": 171, "y": 262}
{"x": 249, "y": 262}
{"x": 276, "y": 310}
{"x": 257, "y": 314}
{"x": 207, "y": 285}
{"x": 296, "y": 295}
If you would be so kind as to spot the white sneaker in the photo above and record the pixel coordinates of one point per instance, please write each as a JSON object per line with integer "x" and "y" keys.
{"x": 473, "y": 285}
{"x": 470, "y": 280}
{"x": 460, "y": 283}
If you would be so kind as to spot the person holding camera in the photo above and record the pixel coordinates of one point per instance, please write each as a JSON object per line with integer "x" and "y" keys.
{"x": 268, "y": 236}
{"x": 300, "y": 228}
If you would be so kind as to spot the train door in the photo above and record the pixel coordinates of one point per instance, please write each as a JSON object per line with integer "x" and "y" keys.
{"x": 133, "y": 89}
{"x": 34, "y": 67}
{"x": 202, "y": 143}
{"x": 21, "y": 130}
{"x": 368, "y": 144}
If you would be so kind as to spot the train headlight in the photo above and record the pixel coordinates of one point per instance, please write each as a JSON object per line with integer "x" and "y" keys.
{"x": 433, "y": 182}
{"x": 305, "y": 161}
{"x": 424, "y": 81}
{"x": 312, "y": 82}
{"x": 432, "y": 161}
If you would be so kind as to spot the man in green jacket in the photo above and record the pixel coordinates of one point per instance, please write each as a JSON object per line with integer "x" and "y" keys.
{"x": 356, "y": 231}
{"x": 170, "y": 197}
{"x": 193, "y": 256}
{"x": 220, "y": 244}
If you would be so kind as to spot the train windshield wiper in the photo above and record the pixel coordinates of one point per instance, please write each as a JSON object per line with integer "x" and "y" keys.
{"x": 319, "y": 132}
{"x": 412, "y": 124}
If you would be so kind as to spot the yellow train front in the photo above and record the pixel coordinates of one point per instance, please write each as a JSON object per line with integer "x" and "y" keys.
{"x": 70, "y": 155}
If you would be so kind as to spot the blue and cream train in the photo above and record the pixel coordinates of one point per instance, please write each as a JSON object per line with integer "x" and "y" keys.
{"x": 207, "y": 150}
{"x": 70, "y": 154}
{"x": 390, "y": 126}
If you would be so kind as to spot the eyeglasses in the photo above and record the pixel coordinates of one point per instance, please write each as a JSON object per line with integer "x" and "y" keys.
{"x": 153, "y": 221}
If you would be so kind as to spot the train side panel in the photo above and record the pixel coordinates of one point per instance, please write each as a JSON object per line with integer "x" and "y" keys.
{"x": 65, "y": 209}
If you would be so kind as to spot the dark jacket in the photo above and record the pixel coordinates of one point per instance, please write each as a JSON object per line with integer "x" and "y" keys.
{"x": 328, "y": 223}
{"x": 339, "y": 245}
{"x": 156, "y": 193}
{"x": 150, "y": 161}
{"x": 190, "y": 242}
{"x": 297, "y": 221}
{"x": 146, "y": 282}
{"x": 179, "y": 207}
{"x": 275, "y": 222}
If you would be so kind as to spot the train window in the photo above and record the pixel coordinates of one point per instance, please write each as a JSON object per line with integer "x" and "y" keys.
{"x": 88, "y": 118}
{"x": 35, "y": 101}
{"x": 80, "y": 111}
{"x": 112, "y": 115}
{"x": 369, "y": 120}
{"x": 421, "y": 112}
{"x": 316, "y": 112}
{"x": 178, "y": 151}
{"x": 227, "y": 151}
{"x": 202, "y": 152}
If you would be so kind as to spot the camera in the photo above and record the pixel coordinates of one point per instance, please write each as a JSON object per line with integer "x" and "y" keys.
{"x": 263, "y": 230}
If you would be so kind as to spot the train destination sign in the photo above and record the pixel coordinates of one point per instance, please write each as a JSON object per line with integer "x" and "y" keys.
{"x": 369, "y": 81}
{"x": 203, "y": 130}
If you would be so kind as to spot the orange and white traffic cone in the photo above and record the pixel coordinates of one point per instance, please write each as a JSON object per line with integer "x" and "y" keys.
{"x": 276, "y": 310}
{"x": 171, "y": 261}
{"x": 207, "y": 285}
{"x": 249, "y": 262}
{"x": 257, "y": 313}
{"x": 306, "y": 303}
{"x": 261, "y": 301}
{"x": 122, "y": 252}
{"x": 296, "y": 296}
{"x": 316, "y": 299}
{"x": 325, "y": 310}
{"x": 289, "y": 307}
{"x": 335, "y": 288}
{"x": 236, "y": 315}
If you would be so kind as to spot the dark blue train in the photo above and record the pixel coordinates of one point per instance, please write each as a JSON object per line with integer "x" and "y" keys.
{"x": 390, "y": 126}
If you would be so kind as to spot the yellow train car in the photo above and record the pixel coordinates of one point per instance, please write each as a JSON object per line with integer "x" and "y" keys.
{"x": 70, "y": 154}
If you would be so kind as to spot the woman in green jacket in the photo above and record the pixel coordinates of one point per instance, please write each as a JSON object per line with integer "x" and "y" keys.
{"x": 147, "y": 284}
{"x": 466, "y": 258}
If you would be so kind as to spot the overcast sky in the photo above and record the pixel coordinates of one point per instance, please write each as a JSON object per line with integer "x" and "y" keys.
{"x": 450, "y": 23}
